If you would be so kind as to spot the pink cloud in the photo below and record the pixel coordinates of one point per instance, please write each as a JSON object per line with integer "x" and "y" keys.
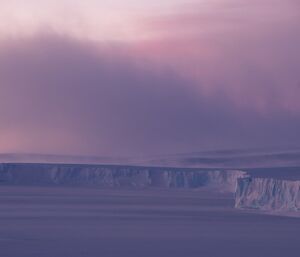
{"x": 249, "y": 51}
{"x": 62, "y": 95}
{"x": 226, "y": 75}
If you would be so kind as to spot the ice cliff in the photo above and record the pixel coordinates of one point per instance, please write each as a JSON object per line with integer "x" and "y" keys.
{"x": 251, "y": 192}
{"x": 268, "y": 194}
{"x": 117, "y": 176}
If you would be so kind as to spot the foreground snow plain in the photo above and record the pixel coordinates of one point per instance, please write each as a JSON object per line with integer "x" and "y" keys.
{"x": 79, "y": 222}
{"x": 53, "y": 210}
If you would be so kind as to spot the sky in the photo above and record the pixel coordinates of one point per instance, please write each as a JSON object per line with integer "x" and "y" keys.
{"x": 128, "y": 78}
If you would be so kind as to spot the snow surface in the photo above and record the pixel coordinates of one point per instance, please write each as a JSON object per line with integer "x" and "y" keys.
{"x": 225, "y": 159}
{"x": 154, "y": 222}
{"x": 49, "y": 210}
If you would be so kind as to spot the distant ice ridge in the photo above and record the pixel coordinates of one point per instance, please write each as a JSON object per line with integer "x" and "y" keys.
{"x": 117, "y": 176}
{"x": 268, "y": 194}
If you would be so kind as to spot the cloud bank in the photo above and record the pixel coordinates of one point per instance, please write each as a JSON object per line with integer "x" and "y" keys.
{"x": 116, "y": 78}
{"x": 63, "y": 95}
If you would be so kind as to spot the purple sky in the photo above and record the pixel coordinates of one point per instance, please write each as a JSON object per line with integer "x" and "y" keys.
{"x": 133, "y": 77}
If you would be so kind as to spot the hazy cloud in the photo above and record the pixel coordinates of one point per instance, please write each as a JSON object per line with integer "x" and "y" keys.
{"x": 63, "y": 95}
